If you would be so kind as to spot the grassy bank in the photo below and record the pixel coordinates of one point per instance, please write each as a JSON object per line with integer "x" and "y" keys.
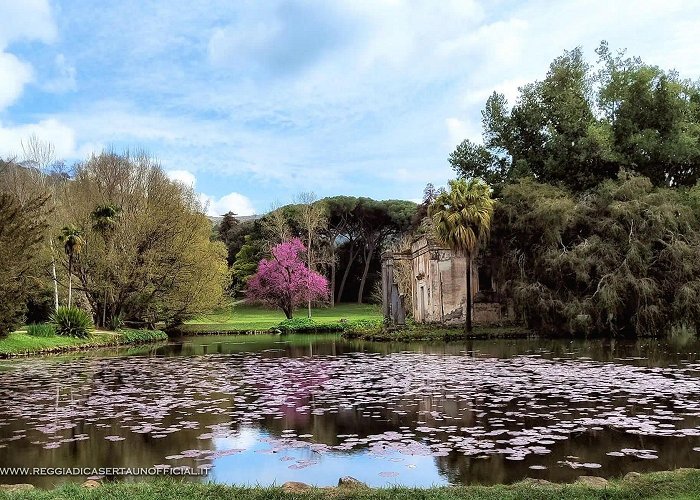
{"x": 680, "y": 484}
{"x": 21, "y": 344}
{"x": 426, "y": 333}
{"x": 243, "y": 318}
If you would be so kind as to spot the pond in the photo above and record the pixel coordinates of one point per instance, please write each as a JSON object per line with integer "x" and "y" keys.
{"x": 270, "y": 409}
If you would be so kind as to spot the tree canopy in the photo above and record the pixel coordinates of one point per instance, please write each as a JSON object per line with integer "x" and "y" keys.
{"x": 22, "y": 230}
{"x": 152, "y": 262}
{"x": 285, "y": 281}
{"x": 583, "y": 123}
{"x": 623, "y": 259}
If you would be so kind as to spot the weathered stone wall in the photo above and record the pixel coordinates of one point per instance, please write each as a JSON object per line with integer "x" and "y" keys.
{"x": 440, "y": 283}
{"x": 487, "y": 313}
{"x": 439, "y": 288}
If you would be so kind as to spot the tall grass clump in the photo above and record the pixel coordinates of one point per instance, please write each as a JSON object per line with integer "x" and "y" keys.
{"x": 41, "y": 330}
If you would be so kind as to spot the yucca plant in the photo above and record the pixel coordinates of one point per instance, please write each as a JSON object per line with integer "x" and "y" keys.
{"x": 72, "y": 322}
{"x": 41, "y": 330}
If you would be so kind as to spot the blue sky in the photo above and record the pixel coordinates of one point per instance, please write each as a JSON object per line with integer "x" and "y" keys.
{"x": 256, "y": 101}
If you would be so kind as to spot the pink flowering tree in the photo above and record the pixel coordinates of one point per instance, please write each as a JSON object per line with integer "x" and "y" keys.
{"x": 284, "y": 281}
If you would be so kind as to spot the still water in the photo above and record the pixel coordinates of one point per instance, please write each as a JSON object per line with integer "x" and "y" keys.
{"x": 270, "y": 409}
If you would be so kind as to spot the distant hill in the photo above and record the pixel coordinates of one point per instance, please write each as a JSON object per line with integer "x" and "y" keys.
{"x": 216, "y": 219}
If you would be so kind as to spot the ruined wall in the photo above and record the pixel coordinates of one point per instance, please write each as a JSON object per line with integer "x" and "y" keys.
{"x": 439, "y": 288}
{"x": 440, "y": 284}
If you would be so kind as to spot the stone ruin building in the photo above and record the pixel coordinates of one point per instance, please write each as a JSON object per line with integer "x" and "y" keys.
{"x": 438, "y": 287}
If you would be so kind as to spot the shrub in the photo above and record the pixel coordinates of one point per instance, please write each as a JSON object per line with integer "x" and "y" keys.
{"x": 133, "y": 336}
{"x": 363, "y": 326}
{"x": 72, "y": 322}
{"x": 116, "y": 322}
{"x": 297, "y": 325}
{"x": 41, "y": 330}
{"x": 308, "y": 325}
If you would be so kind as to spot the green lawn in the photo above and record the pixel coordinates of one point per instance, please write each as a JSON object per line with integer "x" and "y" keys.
{"x": 681, "y": 484}
{"x": 20, "y": 343}
{"x": 243, "y": 317}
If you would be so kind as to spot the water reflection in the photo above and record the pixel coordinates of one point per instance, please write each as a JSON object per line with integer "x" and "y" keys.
{"x": 267, "y": 409}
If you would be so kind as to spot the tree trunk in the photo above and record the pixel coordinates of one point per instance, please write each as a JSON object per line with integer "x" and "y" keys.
{"x": 104, "y": 310}
{"x": 351, "y": 259}
{"x": 70, "y": 280}
{"x": 333, "y": 277}
{"x": 468, "y": 322}
{"x": 308, "y": 281}
{"x": 53, "y": 276}
{"x": 368, "y": 260}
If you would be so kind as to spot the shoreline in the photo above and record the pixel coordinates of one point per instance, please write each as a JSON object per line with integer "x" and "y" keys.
{"x": 679, "y": 483}
{"x": 19, "y": 344}
{"x": 437, "y": 333}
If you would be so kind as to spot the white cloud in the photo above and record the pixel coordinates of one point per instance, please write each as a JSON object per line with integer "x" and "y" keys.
{"x": 64, "y": 77}
{"x": 26, "y": 20}
{"x": 232, "y": 202}
{"x": 60, "y": 135}
{"x": 183, "y": 176}
{"x": 458, "y": 130}
{"x": 14, "y": 75}
{"x": 23, "y": 20}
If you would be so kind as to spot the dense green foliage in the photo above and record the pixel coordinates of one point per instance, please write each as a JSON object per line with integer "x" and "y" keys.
{"x": 623, "y": 259}
{"x": 232, "y": 233}
{"x": 72, "y": 322}
{"x": 124, "y": 242}
{"x": 373, "y": 331}
{"x": 307, "y": 325}
{"x": 134, "y": 336}
{"x": 581, "y": 124}
{"x": 22, "y": 227}
{"x": 147, "y": 254}
{"x": 41, "y": 330}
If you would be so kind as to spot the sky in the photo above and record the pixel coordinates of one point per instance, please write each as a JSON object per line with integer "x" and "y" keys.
{"x": 253, "y": 102}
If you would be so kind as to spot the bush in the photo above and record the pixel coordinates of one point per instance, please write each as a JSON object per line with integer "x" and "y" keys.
{"x": 297, "y": 325}
{"x": 41, "y": 330}
{"x": 133, "y": 336}
{"x": 72, "y": 322}
{"x": 363, "y": 326}
{"x": 116, "y": 322}
{"x": 308, "y": 325}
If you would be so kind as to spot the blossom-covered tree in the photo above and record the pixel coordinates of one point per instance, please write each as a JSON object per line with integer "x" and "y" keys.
{"x": 285, "y": 281}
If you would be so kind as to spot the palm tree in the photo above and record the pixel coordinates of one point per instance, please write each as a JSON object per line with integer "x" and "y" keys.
{"x": 104, "y": 221}
{"x": 461, "y": 219}
{"x": 105, "y": 218}
{"x": 73, "y": 242}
